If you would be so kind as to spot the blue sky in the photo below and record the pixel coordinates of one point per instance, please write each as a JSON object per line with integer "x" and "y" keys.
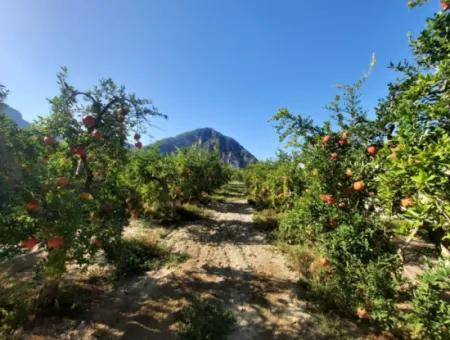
{"x": 223, "y": 64}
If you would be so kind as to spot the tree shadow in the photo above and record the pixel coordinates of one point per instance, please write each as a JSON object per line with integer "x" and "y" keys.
{"x": 148, "y": 306}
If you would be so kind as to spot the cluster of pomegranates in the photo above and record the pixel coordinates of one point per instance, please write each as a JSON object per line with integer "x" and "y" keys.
{"x": 55, "y": 242}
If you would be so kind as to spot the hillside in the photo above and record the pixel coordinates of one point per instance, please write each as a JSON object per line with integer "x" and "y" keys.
{"x": 231, "y": 151}
{"x": 15, "y": 115}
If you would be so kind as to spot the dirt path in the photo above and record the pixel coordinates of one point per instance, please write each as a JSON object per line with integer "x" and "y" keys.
{"x": 230, "y": 261}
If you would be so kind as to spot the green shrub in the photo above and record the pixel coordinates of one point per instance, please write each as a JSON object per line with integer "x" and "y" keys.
{"x": 206, "y": 319}
{"x": 430, "y": 317}
{"x": 133, "y": 257}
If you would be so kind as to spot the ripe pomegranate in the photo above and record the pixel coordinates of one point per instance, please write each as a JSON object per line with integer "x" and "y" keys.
{"x": 343, "y": 142}
{"x": 138, "y": 145}
{"x": 49, "y": 140}
{"x": 97, "y": 134}
{"x": 324, "y": 262}
{"x": 334, "y": 156}
{"x": 358, "y": 186}
{"x": 326, "y": 139}
{"x": 372, "y": 150}
{"x": 32, "y": 206}
{"x": 55, "y": 242}
{"x": 89, "y": 121}
{"x": 445, "y": 5}
{"x": 349, "y": 172}
{"x": 80, "y": 151}
{"x": 137, "y": 136}
{"x": 86, "y": 196}
{"x": 361, "y": 313}
{"x": 62, "y": 181}
{"x": 407, "y": 202}
{"x": 29, "y": 243}
{"x": 327, "y": 198}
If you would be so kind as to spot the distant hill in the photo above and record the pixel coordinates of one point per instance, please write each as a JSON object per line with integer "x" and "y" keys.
{"x": 15, "y": 115}
{"x": 231, "y": 151}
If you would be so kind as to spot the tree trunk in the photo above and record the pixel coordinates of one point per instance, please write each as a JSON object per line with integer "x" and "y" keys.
{"x": 48, "y": 294}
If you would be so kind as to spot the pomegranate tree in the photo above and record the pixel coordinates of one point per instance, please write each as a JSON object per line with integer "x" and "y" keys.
{"x": 70, "y": 205}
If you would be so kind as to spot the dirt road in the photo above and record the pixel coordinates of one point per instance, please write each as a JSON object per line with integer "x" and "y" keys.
{"x": 228, "y": 260}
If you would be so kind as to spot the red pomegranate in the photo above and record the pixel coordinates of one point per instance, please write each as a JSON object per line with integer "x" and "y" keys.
{"x": 97, "y": 134}
{"x": 445, "y": 5}
{"x": 79, "y": 151}
{"x": 32, "y": 206}
{"x": 138, "y": 145}
{"x": 55, "y": 242}
{"x": 137, "y": 136}
{"x": 29, "y": 243}
{"x": 372, "y": 150}
{"x": 89, "y": 121}
{"x": 327, "y": 198}
{"x": 343, "y": 142}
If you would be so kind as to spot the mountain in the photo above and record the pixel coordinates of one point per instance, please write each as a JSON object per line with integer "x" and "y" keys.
{"x": 230, "y": 150}
{"x": 15, "y": 115}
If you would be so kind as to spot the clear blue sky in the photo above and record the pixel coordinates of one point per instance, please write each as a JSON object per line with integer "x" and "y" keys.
{"x": 226, "y": 64}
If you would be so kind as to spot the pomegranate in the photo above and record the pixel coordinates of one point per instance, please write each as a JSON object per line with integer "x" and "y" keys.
{"x": 326, "y": 139}
{"x": 349, "y": 172}
{"x": 97, "y": 134}
{"x": 32, "y": 206}
{"x": 55, "y": 242}
{"x": 324, "y": 262}
{"x": 445, "y": 5}
{"x": 49, "y": 140}
{"x": 361, "y": 313}
{"x": 372, "y": 150}
{"x": 138, "y": 145}
{"x": 89, "y": 121}
{"x": 359, "y": 186}
{"x": 29, "y": 243}
{"x": 137, "y": 136}
{"x": 343, "y": 142}
{"x": 86, "y": 196}
{"x": 327, "y": 198}
{"x": 79, "y": 151}
{"x": 62, "y": 181}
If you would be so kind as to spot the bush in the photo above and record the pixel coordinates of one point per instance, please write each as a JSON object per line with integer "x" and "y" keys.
{"x": 133, "y": 257}
{"x": 430, "y": 317}
{"x": 206, "y": 319}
